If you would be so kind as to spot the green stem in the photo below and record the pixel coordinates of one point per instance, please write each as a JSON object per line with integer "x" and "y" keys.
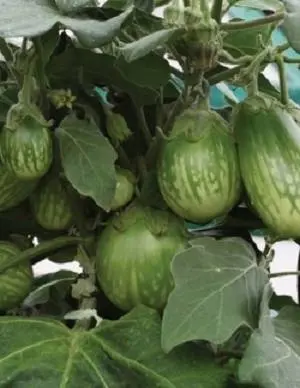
{"x": 216, "y": 11}
{"x": 124, "y": 159}
{"x": 276, "y": 17}
{"x": 252, "y": 88}
{"x": 279, "y": 274}
{"x": 41, "y": 251}
{"x": 291, "y": 60}
{"x": 77, "y": 209}
{"x": 25, "y": 93}
{"x": 229, "y": 58}
{"x": 283, "y": 47}
{"x": 141, "y": 162}
{"x": 284, "y": 93}
{"x": 143, "y": 123}
{"x": 224, "y": 75}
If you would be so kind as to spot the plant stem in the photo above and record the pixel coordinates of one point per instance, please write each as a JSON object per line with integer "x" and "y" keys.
{"x": 282, "y": 47}
{"x": 276, "y": 17}
{"x": 279, "y": 274}
{"x": 224, "y": 75}
{"x": 216, "y": 11}
{"x": 143, "y": 123}
{"x": 284, "y": 93}
{"x": 124, "y": 159}
{"x": 42, "y": 250}
{"x": 291, "y": 60}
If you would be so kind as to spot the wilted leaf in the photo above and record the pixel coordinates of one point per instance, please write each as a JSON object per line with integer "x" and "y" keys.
{"x": 218, "y": 288}
{"x": 145, "y": 45}
{"x": 88, "y": 160}
{"x": 41, "y": 294}
{"x": 124, "y": 353}
{"x": 272, "y": 358}
{"x": 39, "y": 16}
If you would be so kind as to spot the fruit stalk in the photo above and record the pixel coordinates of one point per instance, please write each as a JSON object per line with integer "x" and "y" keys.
{"x": 42, "y": 250}
{"x": 284, "y": 93}
{"x": 276, "y": 17}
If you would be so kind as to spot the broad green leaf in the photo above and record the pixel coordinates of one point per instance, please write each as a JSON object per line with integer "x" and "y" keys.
{"x": 126, "y": 353}
{"x": 208, "y": 277}
{"x": 291, "y": 23}
{"x": 64, "y": 69}
{"x": 264, "y": 5}
{"x": 88, "y": 160}
{"x": 151, "y": 71}
{"x": 145, "y": 45}
{"x": 246, "y": 41}
{"x": 272, "y": 358}
{"x": 39, "y": 16}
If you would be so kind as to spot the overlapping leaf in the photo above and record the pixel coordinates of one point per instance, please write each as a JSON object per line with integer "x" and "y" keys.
{"x": 291, "y": 23}
{"x": 27, "y": 18}
{"x": 272, "y": 358}
{"x": 218, "y": 288}
{"x": 124, "y": 353}
{"x": 88, "y": 160}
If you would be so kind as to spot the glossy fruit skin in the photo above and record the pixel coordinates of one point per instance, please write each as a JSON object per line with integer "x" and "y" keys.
{"x": 12, "y": 190}
{"x": 197, "y": 171}
{"x": 15, "y": 282}
{"x": 269, "y": 153}
{"x": 134, "y": 253}
{"x": 124, "y": 188}
{"x": 26, "y": 150}
{"x": 50, "y": 205}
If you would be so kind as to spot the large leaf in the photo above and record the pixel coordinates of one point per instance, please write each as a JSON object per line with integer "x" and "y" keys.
{"x": 29, "y": 18}
{"x": 88, "y": 160}
{"x": 124, "y": 353}
{"x": 291, "y": 23}
{"x": 272, "y": 358}
{"x": 64, "y": 70}
{"x": 151, "y": 71}
{"x": 218, "y": 288}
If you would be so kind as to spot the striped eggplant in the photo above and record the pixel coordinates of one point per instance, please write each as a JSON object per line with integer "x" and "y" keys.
{"x": 134, "y": 253}
{"x": 12, "y": 190}
{"x": 197, "y": 171}
{"x": 269, "y": 152}
{"x": 50, "y": 205}
{"x": 26, "y": 149}
{"x": 15, "y": 282}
